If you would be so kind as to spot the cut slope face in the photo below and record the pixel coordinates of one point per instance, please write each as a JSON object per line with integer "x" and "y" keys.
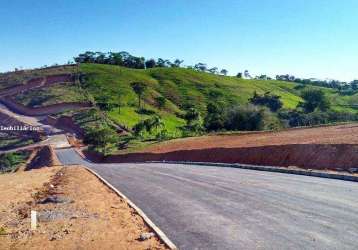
{"x": 334, "y": 147}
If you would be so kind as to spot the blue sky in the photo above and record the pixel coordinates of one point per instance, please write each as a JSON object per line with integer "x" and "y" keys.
{"x": 306, "y": 38}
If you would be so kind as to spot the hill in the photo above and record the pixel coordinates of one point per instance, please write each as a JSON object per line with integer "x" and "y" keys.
{"x": 109, "y": 87}
{"x": 186, "y": 87}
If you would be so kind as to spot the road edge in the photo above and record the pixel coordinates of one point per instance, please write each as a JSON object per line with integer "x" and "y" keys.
{"x": 162, "y": 236}
{"x": 312, "y": 173}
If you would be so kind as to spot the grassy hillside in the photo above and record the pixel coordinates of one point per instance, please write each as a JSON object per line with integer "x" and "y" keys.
{"x": 185, "y": 87}
{"x": 181, "y": 87}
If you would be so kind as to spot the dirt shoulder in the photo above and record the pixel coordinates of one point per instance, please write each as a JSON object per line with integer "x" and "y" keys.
{"x": 75, "y": 211}
{"x": 342, "y": 134}
{"x": 334, "y": 148}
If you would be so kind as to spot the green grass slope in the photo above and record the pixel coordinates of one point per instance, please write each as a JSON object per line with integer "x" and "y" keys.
{"x": 181, "y": 87}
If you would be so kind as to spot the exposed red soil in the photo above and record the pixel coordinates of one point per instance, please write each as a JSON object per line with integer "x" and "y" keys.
{"x": 38, "y": 82}
{"x": 334, "y": 147}
{"x": 45, "y": 157}
{"x": 48, "y": 110}
{"x": 65, "y": 123}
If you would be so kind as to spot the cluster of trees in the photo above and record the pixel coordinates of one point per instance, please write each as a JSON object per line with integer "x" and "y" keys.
{"x": 314, "y": 99}
{"x": 295, "y": 118}
{"x": 114, "y": 58}
{"x": 334, "y": 84}
{"x": 220, "y": 117}
{"x": 103, "y": 139}
{"x": 204, "y": 68}
{"x": 125, "y": 59}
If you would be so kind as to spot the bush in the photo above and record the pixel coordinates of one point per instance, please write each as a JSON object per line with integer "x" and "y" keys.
{"x": 314, "y": 99}
{"x": 273, "y": 102}
{"x": 244, "y": 118}
{"x": 103, "y": 139}
{"x": 296, "y": 118}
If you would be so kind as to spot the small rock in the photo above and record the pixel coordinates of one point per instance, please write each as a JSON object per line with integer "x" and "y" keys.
{"x": 45, "y": 216}
{"x": 146, "y": 236}
{"x": 55, "y": 199}
{"x": 52, "y": 238}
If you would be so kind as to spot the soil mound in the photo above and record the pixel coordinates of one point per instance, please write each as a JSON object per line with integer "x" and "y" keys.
{"x": 45, "y": 157}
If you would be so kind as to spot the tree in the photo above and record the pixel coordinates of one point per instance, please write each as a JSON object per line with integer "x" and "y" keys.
{"x": 139, "y": 88}
{"x": 314, "y": 99}
{"x": 160, "y": 100}
{"x": 224, "y": 72}
{"x": 200, "y": 67}
{"x": 148, "y": 125}
{"x": 103, "y": 139}
{"x": 213, "y": 70}
{"x": 163, "y": 63}
{"x": 239, "y": 75}
{"x": 273, "y": 102}
{"x": 177, "y": 63}
{"x": 191, "y": 115}
{"x": 214, "y": 119}
{"x": 151, "y": 63}
{"x": 354, "y": 84}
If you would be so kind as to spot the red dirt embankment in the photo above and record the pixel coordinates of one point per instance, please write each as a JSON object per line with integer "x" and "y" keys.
{"x": 334, "y": 147}
{"x": 65, "y": 123}
{"x": 38, "y": 82}
{"x": 47, "y": 110}
{"x": 44, "y": 157}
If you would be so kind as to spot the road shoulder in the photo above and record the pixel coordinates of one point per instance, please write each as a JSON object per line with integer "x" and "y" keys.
{"x": 75, "y": 211}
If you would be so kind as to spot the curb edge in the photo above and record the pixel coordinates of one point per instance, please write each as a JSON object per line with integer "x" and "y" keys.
{"x": 161, "y": 235}
{"x": 268, "y": 169}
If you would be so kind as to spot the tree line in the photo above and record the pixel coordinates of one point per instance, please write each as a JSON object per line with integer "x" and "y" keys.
{"x": 125, "y": 59}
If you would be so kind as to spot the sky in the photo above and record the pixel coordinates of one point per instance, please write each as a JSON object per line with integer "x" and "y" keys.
{"x": 305, "y": 38}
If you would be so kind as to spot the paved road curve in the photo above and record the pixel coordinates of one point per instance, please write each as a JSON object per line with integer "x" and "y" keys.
{"x": 201, "y": 207}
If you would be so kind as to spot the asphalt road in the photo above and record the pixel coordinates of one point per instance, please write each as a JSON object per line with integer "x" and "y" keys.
{"x": 202, "y": 207}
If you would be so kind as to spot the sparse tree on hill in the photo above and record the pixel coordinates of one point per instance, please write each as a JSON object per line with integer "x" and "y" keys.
{"x": 314, "y": 99}
{"x": 213, "y": 70}
{"x": 224, "y": 72}
{"x": 177, "y": 63}
{"x": 239, "y": 75}
{"x": 139, "y": 88}
{"x": 200, "y": 67}
{"x": 151, "y": 63}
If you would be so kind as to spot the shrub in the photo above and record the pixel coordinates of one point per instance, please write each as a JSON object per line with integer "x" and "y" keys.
{"x": 273, "y": 102}
{"x": 103, "y": 139}
{"x": 314, "y": 99}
